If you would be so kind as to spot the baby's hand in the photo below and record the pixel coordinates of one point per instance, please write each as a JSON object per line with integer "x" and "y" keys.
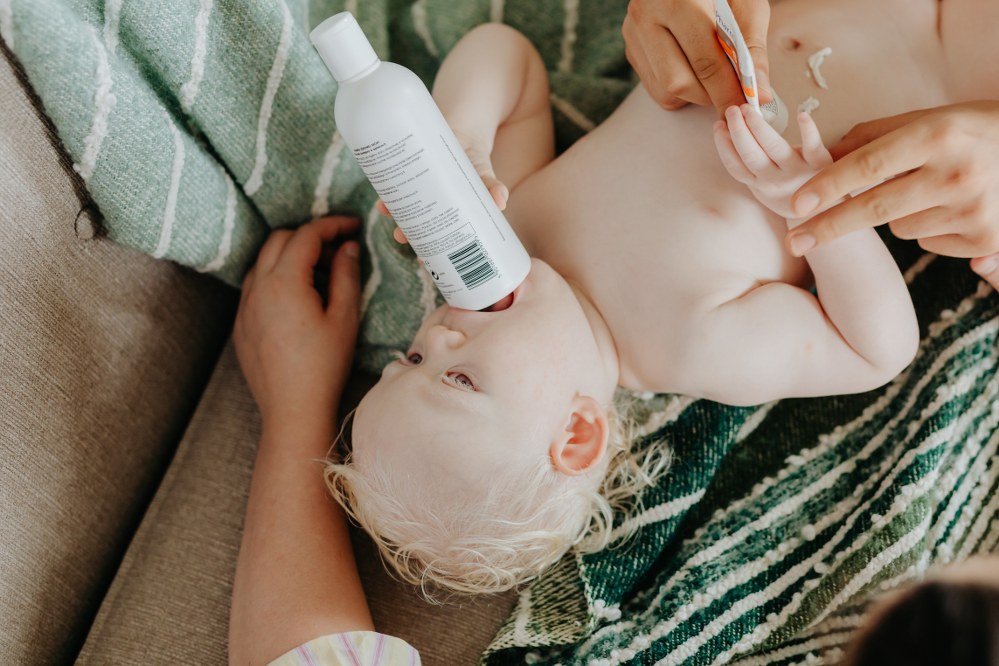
{"x": 757, "y": 156}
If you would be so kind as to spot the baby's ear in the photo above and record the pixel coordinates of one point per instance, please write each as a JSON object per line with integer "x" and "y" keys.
{"x": 584, "y": 441}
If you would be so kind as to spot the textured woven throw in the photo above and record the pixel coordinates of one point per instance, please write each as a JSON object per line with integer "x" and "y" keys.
{"x": 198, "y": 125}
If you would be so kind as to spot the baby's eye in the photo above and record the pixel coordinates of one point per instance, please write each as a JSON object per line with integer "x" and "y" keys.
{"x": 414, "y": 358}
{"x": 460, "y": 380}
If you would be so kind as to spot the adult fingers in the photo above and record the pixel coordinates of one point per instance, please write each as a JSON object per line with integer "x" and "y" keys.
{"x": 952, "y": 245}
{"x": 345, "y": 284}
{"x": 248, "y": 281}
{"x": 943, "y": 221}
{"x": 863, "y": 133}
{"x": 382, "y": 208}
{"x": 988, "y": 268}
{"x": 753, "y": 17}
{"x": 889, "y": 201}
{"x": 302, "y": 252}
{"x": 674, "y": 83}
{"x": 934, "y": 221}
{"x": 654, "y": 54}
{"x": 708, "y": 63}
{"x": 399, "y": 236}
{"x": 891, "y": 155}
{"x": 634, "y": 51}
{"x": 271, "y": 250}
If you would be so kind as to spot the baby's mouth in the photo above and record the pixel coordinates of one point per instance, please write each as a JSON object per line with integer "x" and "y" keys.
{"x": 501, "y": 304}
{"x": 505, "y": 302}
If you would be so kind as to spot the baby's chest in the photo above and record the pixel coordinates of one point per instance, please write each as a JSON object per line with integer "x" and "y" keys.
{"x": 656, "y": 280}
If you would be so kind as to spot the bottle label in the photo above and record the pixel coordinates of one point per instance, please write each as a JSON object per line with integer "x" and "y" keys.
{"x": 442, "y": 235}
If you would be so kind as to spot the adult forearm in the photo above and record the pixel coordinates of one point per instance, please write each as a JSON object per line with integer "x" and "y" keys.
{"x": 296, "y": 578}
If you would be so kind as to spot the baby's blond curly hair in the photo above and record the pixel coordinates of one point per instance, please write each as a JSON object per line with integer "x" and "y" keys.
{"x": 516, "y": 528}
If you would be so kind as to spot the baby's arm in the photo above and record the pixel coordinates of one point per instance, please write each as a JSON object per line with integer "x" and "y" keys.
{"x": 778, "y": 340}
{"x": 493, "y": 90}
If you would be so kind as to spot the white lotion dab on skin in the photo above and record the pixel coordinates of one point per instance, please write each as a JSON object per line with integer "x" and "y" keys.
{"x": 409, "y": 154}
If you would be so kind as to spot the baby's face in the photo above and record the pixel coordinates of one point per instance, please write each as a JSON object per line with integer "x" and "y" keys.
{"x": 480, "y": 391}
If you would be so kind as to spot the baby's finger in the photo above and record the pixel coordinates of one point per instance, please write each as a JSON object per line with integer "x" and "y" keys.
{"x": 729, "y": 157}
{"x": 777, "y": 149}
{"x": 399, "y": 236}
{"x": 499, "y": 192}
{"x": 745, "y": 143}
{"x": 812, "y": 148}
{"x": 382, "y": 208}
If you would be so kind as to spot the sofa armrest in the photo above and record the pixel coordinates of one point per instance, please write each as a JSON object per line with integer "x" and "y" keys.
{"x": 103, "y": 354}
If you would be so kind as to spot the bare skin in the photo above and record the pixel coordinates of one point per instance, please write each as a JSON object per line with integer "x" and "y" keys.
{"x": 646, "y": 190}
{"x": 679, "y": 268}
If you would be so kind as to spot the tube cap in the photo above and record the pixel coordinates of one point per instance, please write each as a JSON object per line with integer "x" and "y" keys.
{"x": 342, "y": 46}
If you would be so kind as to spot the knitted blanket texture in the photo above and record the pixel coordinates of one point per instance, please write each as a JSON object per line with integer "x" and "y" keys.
{"x": 199, "y": 125}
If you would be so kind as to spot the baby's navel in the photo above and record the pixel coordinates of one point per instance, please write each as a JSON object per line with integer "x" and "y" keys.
{"x": 789, "y": 44}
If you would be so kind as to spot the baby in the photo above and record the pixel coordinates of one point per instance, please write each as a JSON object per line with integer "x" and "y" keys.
{"x": 480, "y": 457}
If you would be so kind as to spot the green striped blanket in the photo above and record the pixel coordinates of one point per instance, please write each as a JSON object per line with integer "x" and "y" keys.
{"x": 198, "y": 125}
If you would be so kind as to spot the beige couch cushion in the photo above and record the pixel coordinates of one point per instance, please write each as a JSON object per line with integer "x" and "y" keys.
{"x": 169, "y": 604}
{"x": 103, "y": 353}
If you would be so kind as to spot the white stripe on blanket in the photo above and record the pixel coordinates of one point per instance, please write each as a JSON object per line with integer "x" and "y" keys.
{"x": 256, "y": 179}
{"x": 189, "y": 91}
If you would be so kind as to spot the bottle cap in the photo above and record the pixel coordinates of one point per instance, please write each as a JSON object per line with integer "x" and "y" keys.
{"x": 342, "y": 46}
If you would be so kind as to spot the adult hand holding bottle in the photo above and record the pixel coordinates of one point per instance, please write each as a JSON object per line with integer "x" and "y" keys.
{"x": 933, "y": 176}
{"x": 671, "y": 44}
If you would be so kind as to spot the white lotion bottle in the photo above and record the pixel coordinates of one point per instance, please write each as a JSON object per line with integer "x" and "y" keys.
{"x": 412, "y": 158}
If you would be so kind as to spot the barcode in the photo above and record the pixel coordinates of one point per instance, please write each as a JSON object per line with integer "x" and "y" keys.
{"x": 473, "y": 264}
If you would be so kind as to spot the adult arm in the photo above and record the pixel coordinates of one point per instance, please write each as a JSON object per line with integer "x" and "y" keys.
{"x": 296, "y": 577}
{"x": 671, "y": 44}
{"x": 933, "y": 176}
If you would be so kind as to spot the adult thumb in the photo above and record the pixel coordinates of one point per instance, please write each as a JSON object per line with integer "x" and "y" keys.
{"x": 753, "y": 17}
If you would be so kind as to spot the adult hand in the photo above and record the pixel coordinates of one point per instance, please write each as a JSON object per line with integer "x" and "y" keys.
{"x": 671, "y": 44}
{"x": 933, "y": 176}
{"x": 296, "y": 353}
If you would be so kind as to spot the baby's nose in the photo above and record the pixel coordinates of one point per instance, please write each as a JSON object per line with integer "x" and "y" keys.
{"x": 440, "y": 336}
